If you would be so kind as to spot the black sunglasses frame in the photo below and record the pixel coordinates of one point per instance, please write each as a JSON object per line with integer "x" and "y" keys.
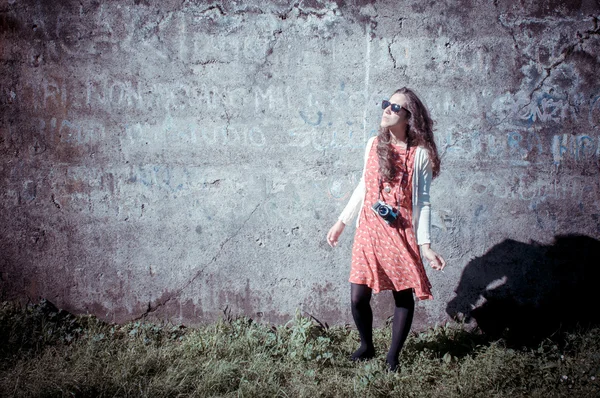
{"x": 395, "y": 107}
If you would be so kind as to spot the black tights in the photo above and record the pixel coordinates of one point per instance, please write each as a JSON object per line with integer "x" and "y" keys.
{"x": 363, "y": 317}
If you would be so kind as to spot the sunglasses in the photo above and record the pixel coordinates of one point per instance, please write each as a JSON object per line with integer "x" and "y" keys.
{"x": 395, "y": 107}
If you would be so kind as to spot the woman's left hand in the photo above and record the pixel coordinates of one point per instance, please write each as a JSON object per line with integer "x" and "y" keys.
{"x": 435, "y": 260}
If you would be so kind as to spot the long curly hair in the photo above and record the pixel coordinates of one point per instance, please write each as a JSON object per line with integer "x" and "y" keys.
{"x": 419, "y": 133}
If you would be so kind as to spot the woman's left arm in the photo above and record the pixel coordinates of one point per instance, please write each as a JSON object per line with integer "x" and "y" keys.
{"x": 425, "y": 175}
{"x": 435, "y": 260}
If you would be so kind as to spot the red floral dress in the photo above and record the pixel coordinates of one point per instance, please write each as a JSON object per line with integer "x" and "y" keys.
{"x": 387, "y": 257}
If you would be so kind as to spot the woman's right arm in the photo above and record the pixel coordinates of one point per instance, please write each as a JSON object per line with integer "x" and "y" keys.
{"x": 353, "y": 206}
{"x": 350, "y": 211}
{"x": 355, "y": 203}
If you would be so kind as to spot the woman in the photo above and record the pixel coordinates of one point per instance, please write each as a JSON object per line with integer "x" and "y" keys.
{"x": 392, "y": 198}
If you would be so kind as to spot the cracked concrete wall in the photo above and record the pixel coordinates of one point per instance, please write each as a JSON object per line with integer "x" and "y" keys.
{"x": 179, "y": 158}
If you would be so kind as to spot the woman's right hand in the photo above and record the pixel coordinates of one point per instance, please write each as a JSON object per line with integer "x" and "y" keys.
{"x": 334, "y": 233}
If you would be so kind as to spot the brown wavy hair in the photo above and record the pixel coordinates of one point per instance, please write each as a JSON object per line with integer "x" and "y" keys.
{"x": 419, "y": 133}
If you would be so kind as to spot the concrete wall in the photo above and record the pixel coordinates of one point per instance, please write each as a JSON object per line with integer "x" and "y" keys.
{"x": 182, "y": 157}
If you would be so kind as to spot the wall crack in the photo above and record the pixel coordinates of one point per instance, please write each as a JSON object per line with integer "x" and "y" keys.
{"x": 511, "y": 31}
{"x": 269, "y": 51}
{"x": 304, "y": 12}
{"x": 153, "y": 308}
{"x": 227, "y": 117}
{"x": 564, "y": 56}
{"x": 216, "y": 7}
{"x": 211, "y": 61}
{"x": 390, "y": 49}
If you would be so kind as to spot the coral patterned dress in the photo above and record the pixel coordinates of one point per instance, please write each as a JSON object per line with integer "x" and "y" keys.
{"x": 387, "y": 257}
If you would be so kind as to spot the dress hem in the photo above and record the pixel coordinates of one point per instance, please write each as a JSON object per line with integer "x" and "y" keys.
{"x": 376, "y": 291}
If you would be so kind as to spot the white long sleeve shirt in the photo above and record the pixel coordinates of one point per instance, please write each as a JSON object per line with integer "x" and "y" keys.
{"x": 422, "y": 177}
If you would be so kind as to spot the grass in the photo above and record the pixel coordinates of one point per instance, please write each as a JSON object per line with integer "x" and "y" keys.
{"x": 45, "y": 352}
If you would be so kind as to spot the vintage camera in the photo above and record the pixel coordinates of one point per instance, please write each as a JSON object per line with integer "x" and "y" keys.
{"x": 385, "y": 211}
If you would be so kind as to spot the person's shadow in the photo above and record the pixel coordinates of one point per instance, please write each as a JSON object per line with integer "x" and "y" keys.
{"x": 525, "y": 293}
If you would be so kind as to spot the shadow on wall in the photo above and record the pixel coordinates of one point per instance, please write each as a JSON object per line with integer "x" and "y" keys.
{"x": 527, "y": 292}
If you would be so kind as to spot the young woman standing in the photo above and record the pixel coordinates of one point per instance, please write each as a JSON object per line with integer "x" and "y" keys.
{"x": 392, "y": 204}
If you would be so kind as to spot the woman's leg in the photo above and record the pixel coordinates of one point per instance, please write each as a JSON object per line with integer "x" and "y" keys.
{"x": 403, "y": 316}
{"x": 363, "y": 318}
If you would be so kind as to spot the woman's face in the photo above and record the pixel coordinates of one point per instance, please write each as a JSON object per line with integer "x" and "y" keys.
{"x": 394, "y": 120}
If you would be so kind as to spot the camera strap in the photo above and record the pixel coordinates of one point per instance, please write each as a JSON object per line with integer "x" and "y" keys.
{"x": 397, "y": 196}
{"x": 402, "y": 180}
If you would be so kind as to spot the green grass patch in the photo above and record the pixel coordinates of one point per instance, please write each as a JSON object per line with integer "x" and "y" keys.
{"x": 45, "y": 352}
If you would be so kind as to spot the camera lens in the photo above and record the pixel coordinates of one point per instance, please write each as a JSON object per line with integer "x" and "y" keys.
{"x": 383, "y": 211}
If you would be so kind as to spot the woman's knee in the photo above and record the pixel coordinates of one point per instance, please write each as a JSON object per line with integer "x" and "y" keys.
{"x": 359, "y": 302}
{"x": 404, "y": 298}
{"x": 360, "y": 295}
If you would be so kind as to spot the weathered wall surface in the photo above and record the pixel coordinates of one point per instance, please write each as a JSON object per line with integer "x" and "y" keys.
{"x": 184, "y": 157}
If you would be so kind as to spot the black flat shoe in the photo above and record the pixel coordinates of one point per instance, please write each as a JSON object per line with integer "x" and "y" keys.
{"x": 392, "y": 367}
{"x": 362, "y": 355}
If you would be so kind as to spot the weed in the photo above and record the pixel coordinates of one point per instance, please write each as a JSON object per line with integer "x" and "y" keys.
{"x": 48, "y": 352}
